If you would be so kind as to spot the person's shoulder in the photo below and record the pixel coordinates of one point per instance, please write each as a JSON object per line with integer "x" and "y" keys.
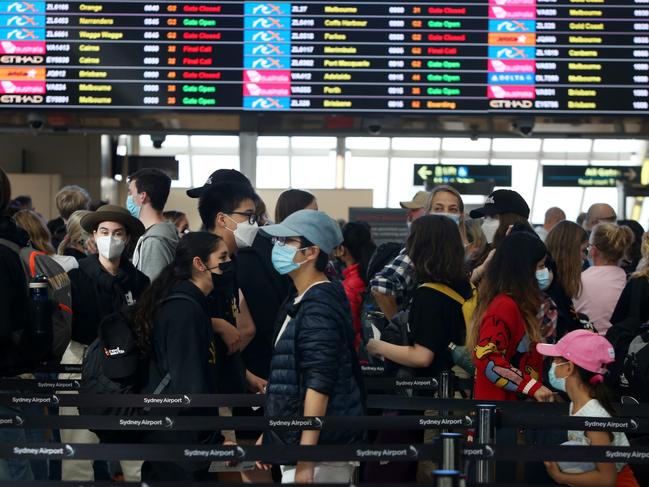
{"x": 503, "y": 303}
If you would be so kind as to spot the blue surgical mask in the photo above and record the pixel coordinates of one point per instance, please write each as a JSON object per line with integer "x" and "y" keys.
{"x": 282, "y": 258}
{"x": 558, "y": 383}
{"x": 544, "y": 278}
{"x": 453, "y": 216}
{"x": 132, "y": 208}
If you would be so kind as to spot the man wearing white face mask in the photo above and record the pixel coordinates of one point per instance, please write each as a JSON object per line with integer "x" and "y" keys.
{"x": 102, "y": 284}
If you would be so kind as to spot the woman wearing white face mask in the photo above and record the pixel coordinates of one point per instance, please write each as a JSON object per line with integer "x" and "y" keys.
{"x": 102, "y": 284}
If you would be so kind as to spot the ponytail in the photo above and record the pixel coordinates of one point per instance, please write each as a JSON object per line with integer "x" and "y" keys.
{"x": 612, "y": 241}
{"x": 142, "y": 315}
{"x": 598, "y": 389}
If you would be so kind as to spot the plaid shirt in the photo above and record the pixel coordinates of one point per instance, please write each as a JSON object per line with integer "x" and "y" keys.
{"x": 396, "y": 279}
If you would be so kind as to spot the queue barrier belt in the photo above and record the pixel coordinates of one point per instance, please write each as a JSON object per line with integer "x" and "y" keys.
{"x": 320, "y": 453}
{"x": 247, "y": 423}
{"x": 389, "y": 402}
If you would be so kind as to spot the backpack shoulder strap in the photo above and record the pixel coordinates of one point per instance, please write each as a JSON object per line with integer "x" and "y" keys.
{"x": 446, "y": 290}
{"x": 10, "y": 245}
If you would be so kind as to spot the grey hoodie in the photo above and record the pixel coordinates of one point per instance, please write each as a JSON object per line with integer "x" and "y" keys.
{"x": 156, "y": 249}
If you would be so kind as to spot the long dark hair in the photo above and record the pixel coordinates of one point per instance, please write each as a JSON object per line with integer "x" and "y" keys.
{"x": 290, "y": 201}
{"x": 357, "y": 239}
{"x": 436, "y": 250}
{"x": 507, "y": 220}
{"x": 511, "y": 271}
{"x": 142, "y": 315}
{"x": 598, "y": 389}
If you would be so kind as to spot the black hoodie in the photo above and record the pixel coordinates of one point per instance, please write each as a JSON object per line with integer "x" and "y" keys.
{"x": 96, "y": 294}
{"x": 13, "y": 301}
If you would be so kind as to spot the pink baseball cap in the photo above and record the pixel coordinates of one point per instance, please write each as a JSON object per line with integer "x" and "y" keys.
{"x": 584, "y": 348}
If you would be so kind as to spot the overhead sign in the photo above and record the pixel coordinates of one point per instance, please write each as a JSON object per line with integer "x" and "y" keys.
{"x": 462, "y": 174}
{"x": 589, "y": 176}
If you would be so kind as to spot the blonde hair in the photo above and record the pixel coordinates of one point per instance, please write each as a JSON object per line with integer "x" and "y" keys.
{"x": 612, "y": 241}
{"x": 71, "y": 199}
{"x": 443, "y": 188}
{"x": 564, "y": 244}
{"x": 75, "y": 232}
{"x": 39, "y": 235}
{"x": 643, "y": 268}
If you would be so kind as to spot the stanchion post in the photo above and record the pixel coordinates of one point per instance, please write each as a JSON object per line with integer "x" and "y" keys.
{"x": 485, "y": 435}
{"x": 451, "y": 451}
{"x": 445, "y": 384}
{"x": 446, "y": 478}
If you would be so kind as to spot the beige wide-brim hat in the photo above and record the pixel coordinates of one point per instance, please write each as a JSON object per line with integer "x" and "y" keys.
{"x": 418, "y": 202}
{"x": 113, "y": 213}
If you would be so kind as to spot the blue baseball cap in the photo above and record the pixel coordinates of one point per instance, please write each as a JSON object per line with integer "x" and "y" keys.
{"x": 316, "y": 226}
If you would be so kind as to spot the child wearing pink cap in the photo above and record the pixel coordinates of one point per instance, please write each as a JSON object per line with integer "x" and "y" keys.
{"x": 578, "y": 368}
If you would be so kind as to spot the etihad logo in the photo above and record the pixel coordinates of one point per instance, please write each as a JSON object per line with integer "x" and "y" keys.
{"x": 17, "y": 59}
{"x": 511, "y": 104}
{"x": 21, "y": 99}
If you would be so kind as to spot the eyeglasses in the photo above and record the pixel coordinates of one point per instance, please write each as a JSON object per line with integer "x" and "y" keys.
{"x": 283, "y": 241}
{"x": 252, "y": 218}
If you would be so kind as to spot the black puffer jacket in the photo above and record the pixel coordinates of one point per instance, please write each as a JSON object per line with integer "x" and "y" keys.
{"x": 316, "y": 351}
{"x": 96, "y": 294}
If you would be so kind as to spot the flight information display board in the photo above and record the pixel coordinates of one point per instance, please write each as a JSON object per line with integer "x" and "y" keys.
{"x": 472, "y": 57}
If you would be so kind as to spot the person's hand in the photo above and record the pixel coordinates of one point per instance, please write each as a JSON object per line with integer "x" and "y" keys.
{"x": 229, "y": 334}
{"x": 259, "y": 464}
{"x": 304, "y": 472}
{"x": 255, "y": 384}
{"x": 231, "y": 463}
{"x": 553, "y": 471}
{"x": 91, "y": 246}
{"x": 544, "y": 395}
{"x": 373, "y": 347}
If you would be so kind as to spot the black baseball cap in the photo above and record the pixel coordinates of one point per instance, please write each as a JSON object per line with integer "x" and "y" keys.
{"x": 502, "y": 201}
{"x": 120, "y": 353}
{"x": 219, "y": 176}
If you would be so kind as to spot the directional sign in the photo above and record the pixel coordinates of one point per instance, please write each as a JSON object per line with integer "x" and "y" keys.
{"x": 589, "y": 176}
{"x": 462, "y": 174}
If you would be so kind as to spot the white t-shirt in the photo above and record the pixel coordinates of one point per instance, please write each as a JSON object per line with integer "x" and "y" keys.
{"x": 295, "y": 301}
{"x": 593, "y": 409}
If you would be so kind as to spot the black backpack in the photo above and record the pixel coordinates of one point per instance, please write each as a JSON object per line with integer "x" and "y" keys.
{"x": 117, "y": 366}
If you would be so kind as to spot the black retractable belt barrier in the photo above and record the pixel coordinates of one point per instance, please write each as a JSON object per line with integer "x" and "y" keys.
{"x": 373, "y": 383}
{"x": 245, "y": 423}
{"x": 177, "y": 453}
{"x": 578, "y": 423}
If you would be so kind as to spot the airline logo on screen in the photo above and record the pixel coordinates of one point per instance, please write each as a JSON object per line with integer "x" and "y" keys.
{"x": 512, "y": 51}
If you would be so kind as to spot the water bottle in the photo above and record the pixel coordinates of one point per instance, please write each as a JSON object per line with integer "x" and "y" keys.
{"x": 40, "y": 307}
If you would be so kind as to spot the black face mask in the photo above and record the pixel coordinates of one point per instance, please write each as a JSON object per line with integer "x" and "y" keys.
{"x": 226, "y": 279}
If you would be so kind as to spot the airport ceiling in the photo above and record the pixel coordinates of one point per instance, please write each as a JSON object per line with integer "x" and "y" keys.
{"x": 137, "y": 122}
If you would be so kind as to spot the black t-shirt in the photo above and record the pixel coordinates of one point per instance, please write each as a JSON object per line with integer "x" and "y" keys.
{"x": 435, "y": 321}
{"x": 223, "y": 303}
{"x": 264, "y": 290}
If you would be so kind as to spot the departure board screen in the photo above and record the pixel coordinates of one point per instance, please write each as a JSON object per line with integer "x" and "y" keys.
{"x": 471, "y": 57}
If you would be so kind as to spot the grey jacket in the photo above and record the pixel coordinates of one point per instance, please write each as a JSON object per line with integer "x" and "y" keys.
{"x": 156, "y": 249}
